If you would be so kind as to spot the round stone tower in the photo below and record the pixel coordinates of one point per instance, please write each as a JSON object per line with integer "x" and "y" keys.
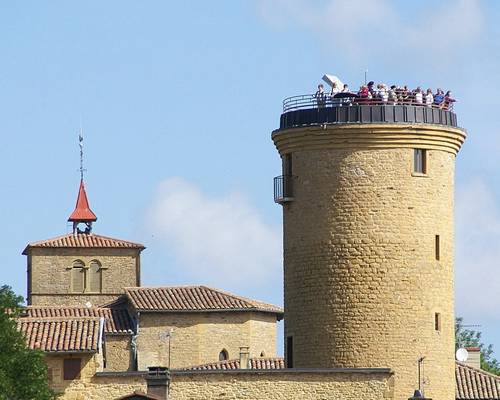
{"x": 368, "y": 196}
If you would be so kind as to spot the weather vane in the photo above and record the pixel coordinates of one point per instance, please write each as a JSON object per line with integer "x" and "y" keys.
{"x": 80, "y": 143}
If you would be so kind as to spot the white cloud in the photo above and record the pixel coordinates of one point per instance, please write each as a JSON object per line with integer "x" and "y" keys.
{"x": 221, "y": 241}
{"x": 477, "y": 252}
{"x": 377, "y": 28}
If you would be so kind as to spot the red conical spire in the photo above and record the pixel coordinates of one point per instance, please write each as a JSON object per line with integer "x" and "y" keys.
{"x": 82, "y": 212}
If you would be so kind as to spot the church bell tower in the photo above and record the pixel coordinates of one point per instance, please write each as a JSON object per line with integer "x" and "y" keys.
{"x": 81, "y": 268}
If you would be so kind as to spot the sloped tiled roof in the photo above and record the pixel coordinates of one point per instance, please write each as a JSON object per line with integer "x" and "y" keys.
{"x": 84, "y": 240}
{"x": 117, "y": 320}
{"x": 66, "y": 335}
{"x": 255, "y": 363}
{"x": 193, "y": 298}
{"x": 475, "y": 384}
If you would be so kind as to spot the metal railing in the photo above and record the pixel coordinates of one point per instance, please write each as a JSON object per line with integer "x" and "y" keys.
{"x": 308, "y": 101}
{"x": 283, "y": 189}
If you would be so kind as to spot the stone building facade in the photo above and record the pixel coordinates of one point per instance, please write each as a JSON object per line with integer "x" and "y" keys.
{"x": 184, "y": 326}
{"x": 83, "y": 276}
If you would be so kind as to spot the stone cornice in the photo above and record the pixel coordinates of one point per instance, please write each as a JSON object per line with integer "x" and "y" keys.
{"x": 369, "y": 136}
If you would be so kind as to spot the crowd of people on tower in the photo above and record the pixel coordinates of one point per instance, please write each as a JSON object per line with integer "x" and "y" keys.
{"x": 382, "y": 94}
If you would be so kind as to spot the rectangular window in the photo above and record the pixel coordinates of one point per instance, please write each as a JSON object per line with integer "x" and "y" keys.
{"x": 420, "y": 161}
{"x": 72, "y": 368}
{"x": 289, "y": 352}
{"x": 437, "y": 322}
{"x": 437, "y": 246}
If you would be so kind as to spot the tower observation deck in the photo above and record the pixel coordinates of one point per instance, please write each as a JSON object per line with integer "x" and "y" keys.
{"x": 367, "y": 190}
{"x": 307, "y": 110}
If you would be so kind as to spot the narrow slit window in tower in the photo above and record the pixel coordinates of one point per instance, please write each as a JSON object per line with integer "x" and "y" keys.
{"x": 420, "y": 161}
{"x": 437, "y": 247}
{"x": 289, "y": 352}
{"x": 437, "y": 322}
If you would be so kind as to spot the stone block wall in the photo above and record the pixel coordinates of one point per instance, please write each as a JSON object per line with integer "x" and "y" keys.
{"x": 246, "y": 385}
{"x": 49, "y": 275}
{"x": 198, "y": 338}
{"x": 119, "y": 355}
{"x": 282, "y": 385}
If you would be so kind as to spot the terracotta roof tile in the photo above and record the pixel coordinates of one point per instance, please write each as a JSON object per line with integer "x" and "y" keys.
{"x": 117, "y": 320}
{"x": 83, "y": 240}
{"x": 255, "y": 363}
{"x": 193, "y": 298}
{"x": 475, "y": 384}
{"x": 67, "y": 335}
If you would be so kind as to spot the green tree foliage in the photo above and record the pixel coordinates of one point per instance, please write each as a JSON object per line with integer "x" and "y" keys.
{"x": 470, "y": 338}
{"x": 23, "y": 373}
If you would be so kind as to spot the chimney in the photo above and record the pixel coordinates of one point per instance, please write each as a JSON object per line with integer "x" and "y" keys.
{"x": 244, "y": 357}
{"x": 474, "y": 359}
{"x": 158, "y": 382}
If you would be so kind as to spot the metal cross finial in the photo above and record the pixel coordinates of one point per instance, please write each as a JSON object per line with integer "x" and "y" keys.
{"x": 80, "y": 143}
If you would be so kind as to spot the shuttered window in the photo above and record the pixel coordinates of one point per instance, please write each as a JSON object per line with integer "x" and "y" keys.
{"x": 94, "y": 277}
{"x": 72, "y": 367}
{"x": 78, "y": 277}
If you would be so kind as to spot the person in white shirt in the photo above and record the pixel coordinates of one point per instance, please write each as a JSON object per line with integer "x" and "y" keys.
{"x": 382, "y": 92}
{"x": 429, "y": 98}
{"x": 393, "y": 96}
{"x": 333, "y": 92}
{"x": 419, "y": 96}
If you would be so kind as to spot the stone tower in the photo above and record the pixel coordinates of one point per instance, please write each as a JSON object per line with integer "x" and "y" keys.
{"x": 81, "y": 268}
{"x": 367, "y": 195}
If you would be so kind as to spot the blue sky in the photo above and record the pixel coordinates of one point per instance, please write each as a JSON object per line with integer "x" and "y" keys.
{"x": 178, "y": 101}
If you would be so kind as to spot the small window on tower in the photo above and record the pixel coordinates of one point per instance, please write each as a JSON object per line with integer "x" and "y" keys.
{"x": 437, "y": 322}
{"x": 289, "y": 352}
{"x": 420, "y": 161}
{"x": 437, "y": 247}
